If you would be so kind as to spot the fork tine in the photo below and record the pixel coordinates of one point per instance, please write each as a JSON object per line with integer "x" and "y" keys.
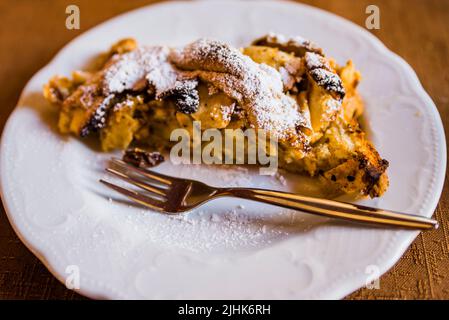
{"x": 135, "y": 196}
{"x": 147, "y": 173}
{"x": 142, "y": 185}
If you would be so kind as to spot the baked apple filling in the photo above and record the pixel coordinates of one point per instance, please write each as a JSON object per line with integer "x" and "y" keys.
{"x": 283, "y": 86}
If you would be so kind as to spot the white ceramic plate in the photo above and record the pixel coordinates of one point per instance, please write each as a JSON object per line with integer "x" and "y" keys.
{"x": 223, "y": 250}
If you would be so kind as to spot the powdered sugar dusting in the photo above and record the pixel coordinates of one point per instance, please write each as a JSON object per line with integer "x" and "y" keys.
{"x": 258, "y": 88}
{"x": 145, "y": 64}
{"x": 315, "y": 61}
{"x": 226, "y": 225}
{"x": 320, "y": 70}
{"x": 127, "y": 70}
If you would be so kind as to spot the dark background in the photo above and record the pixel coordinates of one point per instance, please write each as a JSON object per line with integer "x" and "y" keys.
{"x": 32, "y": 32}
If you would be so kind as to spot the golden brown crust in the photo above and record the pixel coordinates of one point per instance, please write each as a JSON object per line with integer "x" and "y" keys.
{"x": 363, "y": 173}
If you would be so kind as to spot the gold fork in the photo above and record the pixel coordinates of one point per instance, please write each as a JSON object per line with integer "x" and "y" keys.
{"x": 175, "y": 195}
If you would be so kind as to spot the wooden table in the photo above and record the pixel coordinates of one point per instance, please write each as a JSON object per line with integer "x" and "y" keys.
{"x": 33, "y": 31}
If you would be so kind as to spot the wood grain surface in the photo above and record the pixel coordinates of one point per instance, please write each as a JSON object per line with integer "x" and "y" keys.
{"x": 32, "y": 32}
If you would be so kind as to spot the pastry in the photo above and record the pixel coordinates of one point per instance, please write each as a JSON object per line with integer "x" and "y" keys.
{"x": 283, "y": 86}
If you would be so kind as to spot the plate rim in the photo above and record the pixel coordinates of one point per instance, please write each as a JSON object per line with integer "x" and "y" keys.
{"x": 345, "y": 287}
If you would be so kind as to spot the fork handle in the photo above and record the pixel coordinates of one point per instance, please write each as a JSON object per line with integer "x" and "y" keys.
{"x": 333, "y": 209}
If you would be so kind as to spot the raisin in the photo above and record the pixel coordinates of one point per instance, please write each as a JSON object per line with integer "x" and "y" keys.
{"x": 329, "y": 81}
{"x": 350, "y": 178}
{"x": 98, "y": 118}
{"x": 141, "y": 158}
{"x": 185, "y": 96}
{"x": 187, "y": 101}
{"x": 302, "y": 85}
